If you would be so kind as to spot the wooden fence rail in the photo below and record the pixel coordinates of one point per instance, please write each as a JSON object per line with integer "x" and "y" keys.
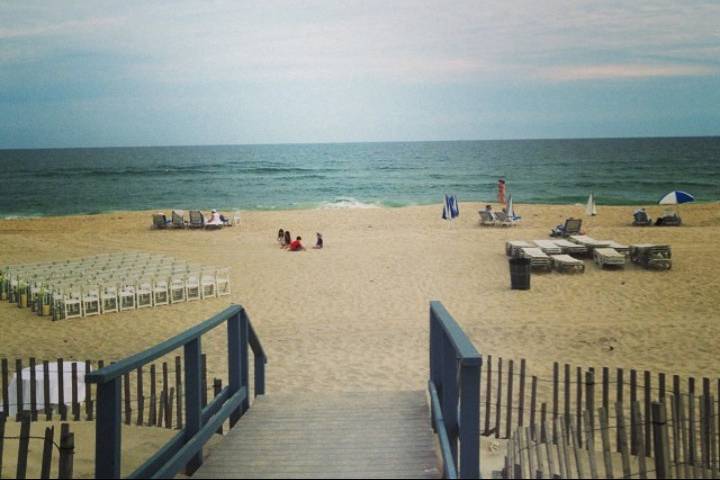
{"x": 63, "y": 442}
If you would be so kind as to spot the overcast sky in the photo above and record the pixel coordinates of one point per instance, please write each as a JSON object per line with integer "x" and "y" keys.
{"x": 226, "y": 72}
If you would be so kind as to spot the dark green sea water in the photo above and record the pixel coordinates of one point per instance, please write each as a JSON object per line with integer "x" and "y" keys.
{"x": 618, "y": 171}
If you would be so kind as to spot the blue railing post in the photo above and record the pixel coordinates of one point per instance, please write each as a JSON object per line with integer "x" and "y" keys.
{"x": 108, "y": 430}
{"x": 234, "y": 362}
{"x": 435, "y": 340}
{"x": 193, "y": 406}
{"x": 470, "y": 420}
{"x": 244, "y": 359}
{"x": 449, "y": 395}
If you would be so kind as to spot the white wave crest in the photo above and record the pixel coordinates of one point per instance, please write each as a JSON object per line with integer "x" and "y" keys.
{"x": 347, "y": 202}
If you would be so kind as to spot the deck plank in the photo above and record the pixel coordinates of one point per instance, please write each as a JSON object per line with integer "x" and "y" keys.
{"x": 346, "y": 435}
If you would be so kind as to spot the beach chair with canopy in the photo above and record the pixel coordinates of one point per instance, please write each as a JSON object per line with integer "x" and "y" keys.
{"x": 197, "y": 219}
{"x": 160, "y": 221}
{"x": 608, "y": 257}
{"x": 566, "y": 264}
{"x": 572, "y": 226}
{"x": 178, "y": 219}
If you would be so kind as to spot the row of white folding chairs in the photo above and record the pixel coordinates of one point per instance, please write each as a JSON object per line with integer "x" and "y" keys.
{"x": 139, "y": 271}
{"x": 90, "y": 300}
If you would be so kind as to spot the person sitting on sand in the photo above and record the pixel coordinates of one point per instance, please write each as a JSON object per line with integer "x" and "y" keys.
{"x": 489, "y": 211}
{"x": 296, "y": 245}
{"x": 215, "y": 219}
{"x": 319, "y": 243}
{"x": 286, "y": 240}
{"x": 281, "y": 237}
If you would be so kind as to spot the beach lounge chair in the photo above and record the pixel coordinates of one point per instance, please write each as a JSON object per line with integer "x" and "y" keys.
{"x": 539, "y": 260}
{"x": 669, "y": 219}
{"x": 504, "y": 220}
{"x": 486, "y": 219}
{"x": 589, "y": 243}
{"x": 608, "y": 257}
{"x": 641, "y": 219}
{"x": 656, "y": 257}
{"x": 160, "y": 221}
{"x": 570, "y": 248}
{"x": 513, "y": 247}
{"x": 548, "y": 246}
{"x": 178, "y": 219}
{"x": 197, "y": 220}
{"x": 567, "y": 264}
{"x": 624, "y": 249}
{"x": 572, "y": 226}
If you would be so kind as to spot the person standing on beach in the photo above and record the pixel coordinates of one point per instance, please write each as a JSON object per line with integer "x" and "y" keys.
{"x": 501, "y": 191}
{"x": 319, "y": 243}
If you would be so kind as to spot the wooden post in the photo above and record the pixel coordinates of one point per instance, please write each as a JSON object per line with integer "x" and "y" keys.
{"x": 88, "y": 394}
{"x": 579, "y": 405}
{"x": 606, "y": 388}
{"x": 556, "y": 398}
{"x": 576, "y": 448}
{"x": 520, "y": 440}
{"x": 567, "y": 396}
{"x": 161, "y": 410}
{"x": 33, "y": 391}
{"x": 648, "y": 400}
{"x": 67, "y": 452}
{"x": 691, "y": 421}
{"x": 714, "y": 454}
{"x": 46, "y": 390}
{"x": 619, "y": 394}
{"x": 605, "y": 435}
{"x": 565, "y": 467}
{"x": 169, "y": 417}
{"x": 532, "y": 471}
{"x": 108, "y": 431}
{"x": 543, "y": 420}
{"x": 152, "y": 415}
{"x": 166, "y": 388}
{"x": 47, "y": 452}
{"x": 508, "y": 418}
{"x": 5, "y": 386}
{"x": 498, "y": 398}
{"x": 675, "y": 423}
{"x": 19, "y": 400}
{"x": 548, "y": 451}
{"x": 661, "y": 387}
{"x": 178, "y": 392}
{"x": 705, "y": 422}
{"x": 684, "y": 437}
{"x": 539, "y": 458}
{"x": 217, "y": 388}
{"x": 636, "y": 418}
{"x": 62, "y": 408}
{"x": 140, "y": 397}
{"x": 2, "y": 438}
{"x": 622, "y": 436}
{"x": 128, "y": 406}
{"x": 23, "y": 445}
{"x": 533, "y": 400}
{"x": 488, "y": 393}
{"x": 521, "y": 400}
{"x": 660, "y": 435}
{"x": 590, "y": 400}
{"x": 193, "y": 398}
{"x": 74, "y": 392}
{"x": 590, "y": 443}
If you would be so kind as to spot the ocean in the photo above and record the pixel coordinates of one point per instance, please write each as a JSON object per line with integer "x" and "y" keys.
{"x": 635, "y": 171}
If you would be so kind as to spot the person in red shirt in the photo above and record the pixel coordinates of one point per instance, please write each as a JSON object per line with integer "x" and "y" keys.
{"x": 296, "y": 246}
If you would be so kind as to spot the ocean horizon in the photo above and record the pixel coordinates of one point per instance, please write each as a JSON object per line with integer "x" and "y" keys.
{"x": 618, "y": 171}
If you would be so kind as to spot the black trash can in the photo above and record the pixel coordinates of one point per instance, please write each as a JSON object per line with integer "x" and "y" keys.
{"x": 520, "y": 273}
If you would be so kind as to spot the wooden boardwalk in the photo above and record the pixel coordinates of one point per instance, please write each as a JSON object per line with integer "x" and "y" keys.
{"x": 329, "y": 435}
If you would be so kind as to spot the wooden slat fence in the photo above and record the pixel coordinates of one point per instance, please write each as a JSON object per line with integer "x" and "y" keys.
{"x": 565, "y": 405}
{"x": 152, "y": 396}
{"x": 60, "y": 445}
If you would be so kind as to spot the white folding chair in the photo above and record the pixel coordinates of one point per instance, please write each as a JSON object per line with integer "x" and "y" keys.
{"x": 160, "y": 292}
{"x": 208, "y": 282}
{"x": 72, "y": 304}
{"x": 109, "y": 299}
{"x": 178, "y": 290}
{"x": 126, "y": 298}
{"x": 192, "y": 287}
{"x": 222, "y": 280}
{"x": 91, "y": 301}
{"x": 144, "y": 294}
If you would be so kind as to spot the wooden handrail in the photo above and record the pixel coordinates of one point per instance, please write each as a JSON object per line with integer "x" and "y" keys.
{"x": 185, "y": 449}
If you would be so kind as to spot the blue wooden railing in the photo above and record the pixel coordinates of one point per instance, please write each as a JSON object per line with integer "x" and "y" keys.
{"x": 454, "y": 388}
{"x": 184, "y": 451}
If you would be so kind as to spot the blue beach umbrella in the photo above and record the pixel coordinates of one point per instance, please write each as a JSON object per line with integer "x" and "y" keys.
{"x": 676, "y": 197}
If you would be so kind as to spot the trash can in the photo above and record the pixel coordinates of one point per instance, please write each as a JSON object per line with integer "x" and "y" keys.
{"x": 520, "y": 273}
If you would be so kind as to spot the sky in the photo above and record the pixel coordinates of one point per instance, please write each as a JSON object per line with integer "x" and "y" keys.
{"x": 107, "y": 73}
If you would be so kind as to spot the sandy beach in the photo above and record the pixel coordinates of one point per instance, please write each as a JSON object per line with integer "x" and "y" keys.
{"x": 354, "y": 316}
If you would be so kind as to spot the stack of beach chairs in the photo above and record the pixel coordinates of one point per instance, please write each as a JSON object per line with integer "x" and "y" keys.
{"x": 108, "y": 283}
{"x": 562, "y": 254}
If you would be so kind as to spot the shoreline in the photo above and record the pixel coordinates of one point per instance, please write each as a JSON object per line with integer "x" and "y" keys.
{"x": 341, "y": 206}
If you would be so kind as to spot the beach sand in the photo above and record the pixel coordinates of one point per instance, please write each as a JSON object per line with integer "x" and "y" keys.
{"x": 354, "y": 316}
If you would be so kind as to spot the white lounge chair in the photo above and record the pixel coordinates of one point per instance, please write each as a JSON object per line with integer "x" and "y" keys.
{"x": 588, "y": 242}
{"x": 548, "y": 246}
{"x": 570, "y": 248}
{"x": 538, "y": 258}
{"x": 608, "y": 257}
{"x": 567, "y": 264}
{"x": 487, "y": 219}
{"x": 513, "y": 247}
{"x": 656, "y": 257}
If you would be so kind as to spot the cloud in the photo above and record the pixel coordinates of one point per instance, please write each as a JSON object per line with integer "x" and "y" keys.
{"x": 623, "y": 71}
